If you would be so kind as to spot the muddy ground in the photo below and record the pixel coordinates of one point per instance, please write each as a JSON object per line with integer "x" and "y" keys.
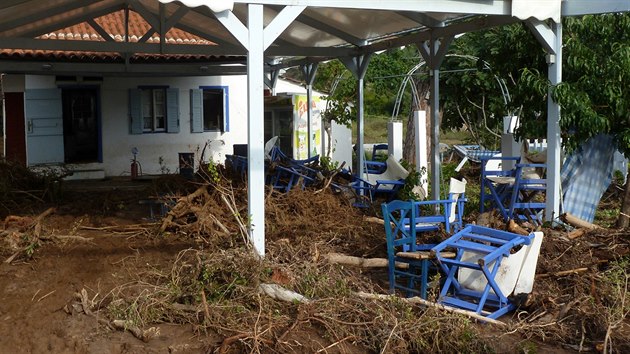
{"x": 96, "y": 276}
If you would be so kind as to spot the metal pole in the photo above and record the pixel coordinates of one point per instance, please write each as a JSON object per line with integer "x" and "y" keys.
{"x": 360, "y": 111}
{"x": 435, "y": 121}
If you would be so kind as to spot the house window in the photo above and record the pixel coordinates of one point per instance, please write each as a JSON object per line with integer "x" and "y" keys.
{"x": 213, "y": 109}
{"x": 154, "y": 110}
{"x": 209, "y": 109}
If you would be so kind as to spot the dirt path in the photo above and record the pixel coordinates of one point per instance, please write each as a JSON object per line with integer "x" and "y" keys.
{"x": 33, "y": 296}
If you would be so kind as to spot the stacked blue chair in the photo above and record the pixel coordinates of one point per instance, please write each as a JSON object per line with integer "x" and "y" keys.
{"x": 528, "y": 185}
{"x": 407, "y": 266}
{"x": 496, "y": 185}
{"x": 489, "y": 265}
{"x": 409, "y": 261}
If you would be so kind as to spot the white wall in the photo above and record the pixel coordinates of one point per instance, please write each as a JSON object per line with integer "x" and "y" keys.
{"x": 117, "y": 141}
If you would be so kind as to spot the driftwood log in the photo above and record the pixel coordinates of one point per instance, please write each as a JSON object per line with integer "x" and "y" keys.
{"x": 516, "y": 228}
{"x": 577, "y": 233}
{"x": 577, "y": 222}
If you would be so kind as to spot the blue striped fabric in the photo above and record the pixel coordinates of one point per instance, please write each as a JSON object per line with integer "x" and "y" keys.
{"x": 585, "y": 175}
{"x": 474, "y": 152}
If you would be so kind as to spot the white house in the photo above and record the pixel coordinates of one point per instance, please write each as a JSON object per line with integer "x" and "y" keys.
{"x": 91, "y": 121}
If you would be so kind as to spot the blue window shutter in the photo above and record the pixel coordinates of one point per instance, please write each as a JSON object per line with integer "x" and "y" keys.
{"x": 196, "y": 111}
{"x": 135, "y": 111}
{"x": 172, "y": 110}
{"x": 226, "y": 109}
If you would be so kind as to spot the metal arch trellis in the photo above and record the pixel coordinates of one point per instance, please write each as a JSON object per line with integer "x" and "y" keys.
{"x": 414, "y": 92}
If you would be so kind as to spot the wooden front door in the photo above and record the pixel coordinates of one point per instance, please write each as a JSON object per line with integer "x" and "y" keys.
{"x": 14, "y": 122}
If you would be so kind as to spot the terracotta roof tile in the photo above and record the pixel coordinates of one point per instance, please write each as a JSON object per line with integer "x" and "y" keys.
{"x": 113, "y": 24}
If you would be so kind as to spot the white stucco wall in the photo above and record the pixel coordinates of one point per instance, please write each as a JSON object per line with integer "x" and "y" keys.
{"x": 117, "y": 141}
{"x": 158, "y": 152}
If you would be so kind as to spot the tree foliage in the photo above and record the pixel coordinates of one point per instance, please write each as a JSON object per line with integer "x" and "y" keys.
{"x": 483, "y": 82}
{"x": 595, "y": 94}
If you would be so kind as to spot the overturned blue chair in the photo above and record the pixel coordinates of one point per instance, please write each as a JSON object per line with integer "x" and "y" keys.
{"x": 489, "y": 266}
{"x": 385, "y": 184}
{"x": 286, "y": 178}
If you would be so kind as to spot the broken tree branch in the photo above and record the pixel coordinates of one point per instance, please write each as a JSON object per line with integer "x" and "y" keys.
{"x": 420, "y": 301}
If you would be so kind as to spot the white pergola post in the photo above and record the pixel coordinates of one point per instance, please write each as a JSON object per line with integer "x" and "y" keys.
{"x": 255, "y": 129}
{"x": 554, "y": 161}
{"x": 395, "y": 139}
{"x": 256, "y": 38}
{"x": 309, "y": 71}
{"x": 358, "y": 67}
{"x": 433, "y": 53}
{"x": 551, "y": 39}
{"x": 420, "y": 127}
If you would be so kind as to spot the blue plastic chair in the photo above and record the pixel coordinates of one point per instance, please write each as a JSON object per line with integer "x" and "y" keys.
{"x": 285, "y": 178}
{"x": 528, "y": 185}
{"x": 374, "y": 165}
{"x": 496, "y": 186}
{"x": 481, "y": 250}
{"x": 407, "y": 267}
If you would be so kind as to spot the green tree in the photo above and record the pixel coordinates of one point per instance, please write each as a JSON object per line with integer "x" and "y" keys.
{"x": 594, "y": 95}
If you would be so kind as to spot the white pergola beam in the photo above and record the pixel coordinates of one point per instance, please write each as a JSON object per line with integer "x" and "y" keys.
{"x": 495, "y": 7}
{"x": 447, "y": 31}
{"x": 121, "y": 47}
{"x": 544, "y": 34}
{"x": 308, "y": 72}
{"x": 154, "y": 48}
{"x": 422, "y": 18}
{"x": 309, "y": 21}
{"x": 120, "y": 69}
{"x": 235, "y": 26}
{"x": 205, "y": 35}
{"x": 280, "y": 23}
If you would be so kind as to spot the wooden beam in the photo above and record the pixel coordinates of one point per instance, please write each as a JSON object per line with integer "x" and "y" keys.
{"x": 70, "y": 21}
{"x": 46, "y": 13}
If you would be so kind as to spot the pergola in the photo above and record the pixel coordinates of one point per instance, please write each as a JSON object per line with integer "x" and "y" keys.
{"x": 276, "y": 34}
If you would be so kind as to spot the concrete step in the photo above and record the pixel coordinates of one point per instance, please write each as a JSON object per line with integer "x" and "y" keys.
{"x": 85, "y": 174}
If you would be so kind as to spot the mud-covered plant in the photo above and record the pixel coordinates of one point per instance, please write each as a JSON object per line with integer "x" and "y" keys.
{"x": 413, "y": 180}
{"x": 328, "y": 164}
{"x": 213, "y": 172}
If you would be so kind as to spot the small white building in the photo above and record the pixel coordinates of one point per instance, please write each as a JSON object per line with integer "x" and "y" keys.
{"x": 90, "y": 122}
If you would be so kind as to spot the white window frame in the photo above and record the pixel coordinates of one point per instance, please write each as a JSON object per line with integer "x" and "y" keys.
{"x": 154, "y": 114}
